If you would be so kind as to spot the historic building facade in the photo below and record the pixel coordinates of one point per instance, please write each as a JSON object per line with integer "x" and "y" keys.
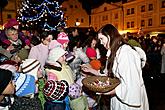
{"x": 75, "y": 15}
{"x": 135, "y": 15}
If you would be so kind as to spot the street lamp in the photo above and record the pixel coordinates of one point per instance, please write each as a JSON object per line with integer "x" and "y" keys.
{"x": 77, "y": 23}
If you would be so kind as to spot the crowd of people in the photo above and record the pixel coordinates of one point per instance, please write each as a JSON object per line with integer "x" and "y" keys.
{"x": 44, "y": 70}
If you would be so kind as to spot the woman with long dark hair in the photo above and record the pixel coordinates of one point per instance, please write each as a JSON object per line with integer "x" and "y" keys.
{"x": 124, "y": 62}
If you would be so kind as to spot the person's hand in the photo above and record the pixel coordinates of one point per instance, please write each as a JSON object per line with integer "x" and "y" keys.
{"x": 10, "y": 48}
{"x": 111, "y": 93}
{"x": 27, "y": 47}
{"x": 86, "y": 68}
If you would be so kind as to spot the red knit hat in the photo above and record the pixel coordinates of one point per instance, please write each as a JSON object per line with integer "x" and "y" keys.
{"x": 12, "y": 22}
{"x": 95, "y": 64}
{"x": 90, "y": 52}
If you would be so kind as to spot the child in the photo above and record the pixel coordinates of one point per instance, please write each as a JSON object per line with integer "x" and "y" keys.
{"x": 62, "y": 41}
{"x": 7, "y": 88}
{"x": 56, "y": 94}
{"x": 57, "y": 68}
{"x": 77, "y": 100}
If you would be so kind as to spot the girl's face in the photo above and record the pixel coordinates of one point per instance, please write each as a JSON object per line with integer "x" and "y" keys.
{"x": 62, "y": 59}
{"x": 93, "y": 44}
{"x": 65, "y": 45}
{"x": 103, "y": 40}
{"x": 47, "y": 40}
{"x": 10, "y": 89}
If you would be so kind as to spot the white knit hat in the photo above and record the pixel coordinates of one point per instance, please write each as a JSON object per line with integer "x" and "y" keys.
{"x": 55, "y": 54}
{"x": 31, "y": 66}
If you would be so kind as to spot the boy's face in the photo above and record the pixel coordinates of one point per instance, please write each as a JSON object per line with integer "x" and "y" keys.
{"x": 13, "y": 35}
{"x": 10, "y": 89}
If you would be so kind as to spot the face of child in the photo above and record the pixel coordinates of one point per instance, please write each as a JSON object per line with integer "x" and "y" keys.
{"x": 65, "y": 45}
{"x": 47, "y": 40}
{"x": 10, "y": 89}
{"x": 93, "y": 44}
{"x": 13, "y": 35}
{"x": 62, "y": 59}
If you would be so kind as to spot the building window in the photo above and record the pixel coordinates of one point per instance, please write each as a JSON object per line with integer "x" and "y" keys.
{"x": 143, "y": 8}
{"x": 142, "y": 23}
{"x": 132, "y": 24}
{"x": 116, "y": 16}
{"x": 71, "y": 6}
{"x": 132, "y": 11}
{"x": 128, "y": 11}
{"x": 104, "y": 18}
{"x": 150, "y": 22}
{"x": 150, "y": 7}
{"x": 75, "y": 6}
{"x": 77, "y": 20}
{"x": 82, "y": 20}
{"x": 9, "y": 16}
{"x": 65, "y": 9}
{"x": 163, "y": 20}
{"x": 128, "y": 24}
{"x": 163, "y": 4}
{"x": 105, "y": 8}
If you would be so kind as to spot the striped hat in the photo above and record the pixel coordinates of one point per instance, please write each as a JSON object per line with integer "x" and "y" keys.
{"x": 56, "y": 90}
{"x": 62, "y": 38}
{"x": 31, "y": 66}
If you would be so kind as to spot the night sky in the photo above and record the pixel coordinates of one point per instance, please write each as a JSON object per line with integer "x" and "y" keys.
{"x": 90, "y": 4}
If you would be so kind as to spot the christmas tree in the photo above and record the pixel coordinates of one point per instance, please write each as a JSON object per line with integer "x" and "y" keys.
{"x": 41, "y": 14}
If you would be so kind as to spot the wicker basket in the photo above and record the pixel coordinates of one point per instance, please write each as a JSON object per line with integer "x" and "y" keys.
{"x": 100, "y": 83}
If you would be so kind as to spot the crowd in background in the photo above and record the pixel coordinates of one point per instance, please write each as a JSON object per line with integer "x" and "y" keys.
{"x": 42, "y": 70}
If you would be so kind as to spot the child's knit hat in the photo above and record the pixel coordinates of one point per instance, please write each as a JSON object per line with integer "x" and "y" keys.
{"x": 12, "y": 22}
{"x": 95, "y": 64}
{"x": 31, "y": 66}
{"x": 25, "y": 84}
{"x": 55, "y": 54}
{"x": 62, "y": 38}
{"x": 56, "y": 90}
{"x": 75, "y": 90}
{"x": 91, "y": 53}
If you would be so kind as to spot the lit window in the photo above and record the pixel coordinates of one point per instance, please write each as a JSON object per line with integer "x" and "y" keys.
{"x": 150, "y": 7}
{"x": 163, "y": 20}
{"x": 142, "y": 23}
{"x": 143, "y": 8}
{"x": 128, "y": 11}
{"x": 116, "y": 16}
{"x": 128, "y": 24}
{"x": 132, "y": 24}
{"x": 132, "y": 11}
{"x": 163, "y": 4}
{"x": 150, "y": 22}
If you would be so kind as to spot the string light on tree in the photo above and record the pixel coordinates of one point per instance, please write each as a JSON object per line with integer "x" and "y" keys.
{"x": 41, "y": 14}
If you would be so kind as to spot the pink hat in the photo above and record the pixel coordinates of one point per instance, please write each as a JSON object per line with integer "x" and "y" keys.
{"x": 62, "y": 38}
{"x": 12, "y": 22}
